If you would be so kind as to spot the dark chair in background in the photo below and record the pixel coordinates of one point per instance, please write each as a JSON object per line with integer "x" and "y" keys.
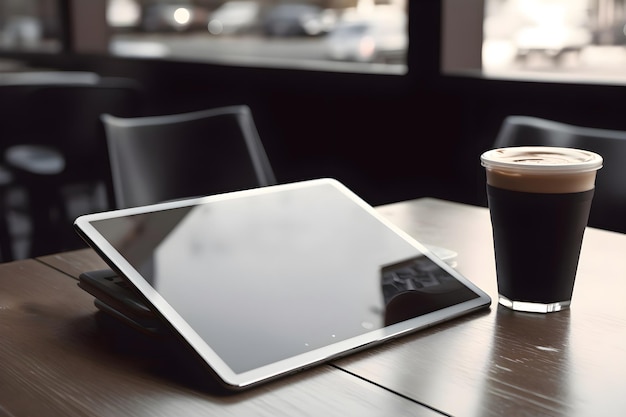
{"x": 161, "y": 158}
{"x": 608, "y": 209}
{"x": 55, "y": 146}
{"x": 12, "y": 88}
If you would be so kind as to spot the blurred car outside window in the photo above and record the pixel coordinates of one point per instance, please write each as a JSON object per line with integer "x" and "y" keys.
{"x": 298, "y": 19}
{"x": 582, "y": 40}
{"x": 379, "y": 35}
{"x": 235, "y": 17}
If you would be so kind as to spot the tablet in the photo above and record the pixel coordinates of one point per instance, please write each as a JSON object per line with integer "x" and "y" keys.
{"x": 265, "y": 282}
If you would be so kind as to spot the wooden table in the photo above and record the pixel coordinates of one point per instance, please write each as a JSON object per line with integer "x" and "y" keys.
{"x": 55, "y": 360}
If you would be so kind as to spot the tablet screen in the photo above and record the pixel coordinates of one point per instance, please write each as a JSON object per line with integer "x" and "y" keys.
{"x": 266, "y": 281}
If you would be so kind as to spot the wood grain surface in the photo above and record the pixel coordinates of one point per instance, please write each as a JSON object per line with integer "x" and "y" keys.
{"x": 59, "y": 358}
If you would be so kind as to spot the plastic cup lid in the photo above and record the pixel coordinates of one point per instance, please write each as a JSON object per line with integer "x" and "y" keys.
{"x": 541, "y": 159}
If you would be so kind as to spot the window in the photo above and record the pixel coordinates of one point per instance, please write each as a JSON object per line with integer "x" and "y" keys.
{"x": 30, "y": 25}
{"x": 555, "y": 40}
{"x": 329, "y": 35}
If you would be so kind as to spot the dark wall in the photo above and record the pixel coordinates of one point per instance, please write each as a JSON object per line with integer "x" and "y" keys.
{"x": 388, "y": 137}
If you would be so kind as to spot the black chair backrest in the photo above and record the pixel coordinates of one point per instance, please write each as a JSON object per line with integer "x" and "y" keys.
{"x": 161, "y": 158}
{"x": 609, "y": 205}
{"x": 62, "y": 111}
{"x": 67, "y": 117}
{"x": 16, "y": 100}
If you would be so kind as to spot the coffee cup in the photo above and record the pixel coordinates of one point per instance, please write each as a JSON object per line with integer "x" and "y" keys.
{"x": 539, "y": 201}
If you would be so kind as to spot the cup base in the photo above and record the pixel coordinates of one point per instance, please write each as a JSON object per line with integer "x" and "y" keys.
{"x": 530, "y": 307}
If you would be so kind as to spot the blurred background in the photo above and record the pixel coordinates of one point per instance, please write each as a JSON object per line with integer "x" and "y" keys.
{"x": 395, "y": 98}
{"x": 520, "y": 37}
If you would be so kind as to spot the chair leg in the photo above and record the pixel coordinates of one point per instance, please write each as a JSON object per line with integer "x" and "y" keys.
{"x": 6, "y": 241}
{"x": 47, "y": 210}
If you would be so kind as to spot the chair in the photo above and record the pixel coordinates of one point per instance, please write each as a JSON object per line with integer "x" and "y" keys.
{"x": 160, "y": 158}
{"x": 55, "y": 141}
{"x": 609, "y": 204}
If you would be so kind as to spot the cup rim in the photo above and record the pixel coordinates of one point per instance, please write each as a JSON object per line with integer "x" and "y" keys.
{"x": 586, "y": 160}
